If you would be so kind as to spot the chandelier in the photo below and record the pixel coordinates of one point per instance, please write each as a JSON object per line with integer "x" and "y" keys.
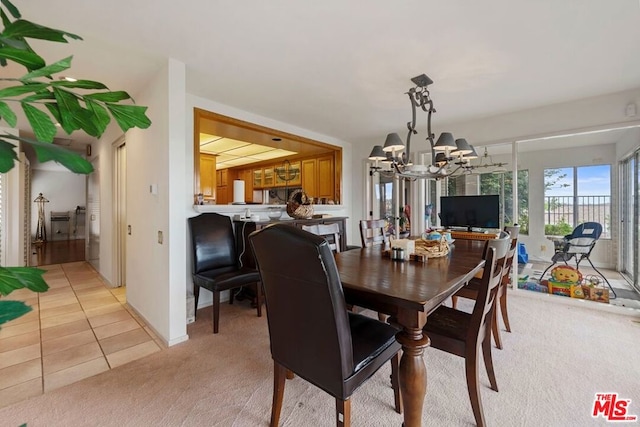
{"x": 486, "y": 162}
{"x": 394, "y": 157}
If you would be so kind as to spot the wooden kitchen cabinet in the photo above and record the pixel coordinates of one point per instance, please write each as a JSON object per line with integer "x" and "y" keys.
{"x": 257, "y": 178}
{"x": 208, "y": 176}
{"x": 223, "y": 189}
{"x": 288, "y": 174}
{"x": 309, "y": 179}
{"x": 326, "y": 177}
{"x": 268, "y": 179}
{"x": 247, "y": 176}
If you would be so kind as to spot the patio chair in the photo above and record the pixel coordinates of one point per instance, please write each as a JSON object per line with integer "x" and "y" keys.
{"x": 579, "y": 245}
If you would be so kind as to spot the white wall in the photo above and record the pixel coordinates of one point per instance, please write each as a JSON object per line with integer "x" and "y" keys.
{"x": 13, "y": 205}
{"x": 629, "y": 143}
{"x": 155, "y": 277}
{"x": 65, "y": 191}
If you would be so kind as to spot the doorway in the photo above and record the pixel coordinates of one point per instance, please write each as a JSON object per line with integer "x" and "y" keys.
{"x": 92, "y": 249}
{"x": 57, "y": 218}
{"x": 120, "y": 212}
{"x": 630, "y": 213}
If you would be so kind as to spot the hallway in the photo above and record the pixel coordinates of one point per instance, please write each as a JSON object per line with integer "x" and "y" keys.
{"x": 57, "y": 252}
{"x": 77, "y": 329}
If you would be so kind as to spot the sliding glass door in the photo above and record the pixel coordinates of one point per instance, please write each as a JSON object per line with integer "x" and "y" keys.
{"x": 629, "y": 209}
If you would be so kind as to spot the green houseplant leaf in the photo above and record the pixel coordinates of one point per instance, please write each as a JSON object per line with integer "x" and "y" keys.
{"x": 40, "y": 122}
{"x": 10, "y": 310}
{"x": 12, "y": 278}
{"x": 30, "y": 60}
{"x": 56, "y": 67}
{"x": 7, "y": 156}
{"x": 7, "y": 114}
{"x": 129, "y": 116}
{"x": 25, "y": 29}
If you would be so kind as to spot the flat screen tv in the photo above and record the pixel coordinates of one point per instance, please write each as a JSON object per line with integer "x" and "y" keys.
{"x": 470, "y": 211}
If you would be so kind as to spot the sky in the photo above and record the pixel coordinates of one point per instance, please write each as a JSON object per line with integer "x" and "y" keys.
{"x": 592, "y": 181}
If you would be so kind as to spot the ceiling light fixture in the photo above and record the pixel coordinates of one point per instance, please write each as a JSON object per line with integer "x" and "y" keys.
{"x": 395, "y": 155}
{"x": 486, "y": 161}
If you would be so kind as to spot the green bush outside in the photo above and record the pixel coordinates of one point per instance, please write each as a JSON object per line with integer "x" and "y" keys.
{"x": 562, "y": 228}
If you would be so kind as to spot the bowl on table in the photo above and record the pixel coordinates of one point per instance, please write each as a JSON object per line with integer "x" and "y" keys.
{"x": 274, "y": 213}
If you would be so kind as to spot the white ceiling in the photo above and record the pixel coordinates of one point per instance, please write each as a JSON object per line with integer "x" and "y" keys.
{"x": 341, "y": 68}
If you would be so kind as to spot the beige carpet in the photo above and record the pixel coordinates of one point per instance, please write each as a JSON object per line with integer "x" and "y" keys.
{"x": 553, "y": 363}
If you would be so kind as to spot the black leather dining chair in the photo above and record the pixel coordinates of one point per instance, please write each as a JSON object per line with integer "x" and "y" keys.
{"x": 311, "y": 332}
{"x": 216, "y": 265}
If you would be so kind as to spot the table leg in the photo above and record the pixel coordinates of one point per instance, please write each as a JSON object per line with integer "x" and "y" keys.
{"x": 413, "y": 374}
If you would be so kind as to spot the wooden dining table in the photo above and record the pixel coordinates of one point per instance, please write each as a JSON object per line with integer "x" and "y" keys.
{"x": 408, "y": 291}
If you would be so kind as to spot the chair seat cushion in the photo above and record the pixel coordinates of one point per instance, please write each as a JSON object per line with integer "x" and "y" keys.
{"x": 222, "y": 279}
{"x": 369, "y": 337}
{"x": 448, "y": 322}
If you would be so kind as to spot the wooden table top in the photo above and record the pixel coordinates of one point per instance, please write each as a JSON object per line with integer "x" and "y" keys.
{"x": 370, "y": 276}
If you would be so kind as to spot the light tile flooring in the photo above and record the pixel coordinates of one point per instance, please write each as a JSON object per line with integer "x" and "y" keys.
{"x": 77, "y": 329}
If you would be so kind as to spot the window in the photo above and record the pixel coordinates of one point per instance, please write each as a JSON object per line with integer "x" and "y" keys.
{"x": 502, "y": 184}
{"x": 575, "y": 195}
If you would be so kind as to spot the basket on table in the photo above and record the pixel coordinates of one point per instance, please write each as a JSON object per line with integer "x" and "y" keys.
{"x": 299, "y": 206}
{"x": 432, "y": 248}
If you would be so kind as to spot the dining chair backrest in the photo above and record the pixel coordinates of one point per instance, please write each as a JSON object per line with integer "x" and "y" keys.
{"x": 495, "y": 255}
{"x": 311, "y": 332}
{"x": 373, "y": 232}
{"x": 331, "y": 232}
{"x": 514, "y": 232}
{"x": 213, "y": 242}
{"x": 306, "y": 310}
{"x": 498, "y": 244}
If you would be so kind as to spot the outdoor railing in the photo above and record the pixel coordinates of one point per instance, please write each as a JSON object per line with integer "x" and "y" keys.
{"x": 576, "y": 210}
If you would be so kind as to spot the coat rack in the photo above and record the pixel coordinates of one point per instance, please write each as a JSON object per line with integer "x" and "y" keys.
{"x": 41, "y": 230}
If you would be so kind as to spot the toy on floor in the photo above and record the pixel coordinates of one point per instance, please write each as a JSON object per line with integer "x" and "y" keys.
{"x": 565, "y": 280}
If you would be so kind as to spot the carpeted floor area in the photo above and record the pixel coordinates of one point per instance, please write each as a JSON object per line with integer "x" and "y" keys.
{"x": 553, "y": 363}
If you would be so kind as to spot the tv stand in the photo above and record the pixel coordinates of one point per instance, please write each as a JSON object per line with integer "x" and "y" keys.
{"x": 473, "y": 235}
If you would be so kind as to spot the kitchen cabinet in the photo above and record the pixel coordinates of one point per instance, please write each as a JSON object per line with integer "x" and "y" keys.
{"x": 208, "y": 176}
{"x": 247, "y": 176}
{"x": 288, "y": 174}
{"x": 223, "y": 190}
{"x": 257, "y": 178}
{"x": 223, "y": 175}
{"x": 315, "y": 175}
{"x": 326, "y": 178}
{"x": 318, "y": 178}
{"x": 268, "y": 179}
{"x": 309, "y": 180}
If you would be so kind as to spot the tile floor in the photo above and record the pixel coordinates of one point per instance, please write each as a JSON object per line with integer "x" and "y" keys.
{"x": 77, "y": 329}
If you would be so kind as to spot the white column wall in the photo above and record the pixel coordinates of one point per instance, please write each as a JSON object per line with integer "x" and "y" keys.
{"x": 155, "y": 272}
